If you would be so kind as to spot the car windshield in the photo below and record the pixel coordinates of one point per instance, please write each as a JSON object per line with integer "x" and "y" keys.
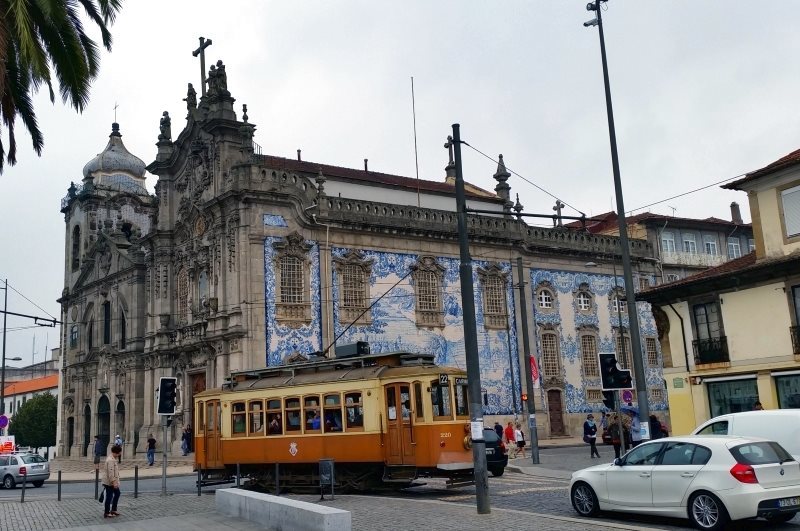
{"x": 760, "y": 453}
{"x": 33, "y": 458}
{"x": 489, "y": 435}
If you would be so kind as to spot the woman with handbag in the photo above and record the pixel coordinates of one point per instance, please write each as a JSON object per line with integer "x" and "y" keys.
{"x": 590, "y": 435}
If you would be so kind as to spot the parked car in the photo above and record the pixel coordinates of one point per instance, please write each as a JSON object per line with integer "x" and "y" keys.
{"x": 18, "y": 467}
{"x": 496, "y": 452}
{"x": 780, "y": 425}
{"x": 710, "y": 480}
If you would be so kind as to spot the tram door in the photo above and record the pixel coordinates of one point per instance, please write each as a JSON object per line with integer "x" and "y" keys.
{"x": 212, "y": 434}
{"x": 400, "y": 431}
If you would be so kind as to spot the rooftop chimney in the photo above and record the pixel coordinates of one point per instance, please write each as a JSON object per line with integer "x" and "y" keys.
{"x": 298, "y": 155}
{"x": 736, "y": 215}
{"x": 365, "y": 165}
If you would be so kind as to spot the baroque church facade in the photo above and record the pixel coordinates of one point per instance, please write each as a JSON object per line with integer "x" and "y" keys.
{"x": 243, "y": 260}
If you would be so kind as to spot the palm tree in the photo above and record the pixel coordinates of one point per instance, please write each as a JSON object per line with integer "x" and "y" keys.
{"x": 36, "y": 36}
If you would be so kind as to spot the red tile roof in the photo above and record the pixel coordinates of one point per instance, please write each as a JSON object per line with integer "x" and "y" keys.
{"x": 29, "y": 386}
{"x": 374, "y": 177}
{"x": 784, "y": 162}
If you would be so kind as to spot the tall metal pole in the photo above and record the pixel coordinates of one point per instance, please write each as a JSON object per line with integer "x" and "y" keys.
{"x": 3, "y": 366}
{"x": 527, "y": 356}
{"x": 633, "y": 320}
{"x": 164, "y": 458}
{"x": 471, "y": 338}
{"x": 618, "y": 397}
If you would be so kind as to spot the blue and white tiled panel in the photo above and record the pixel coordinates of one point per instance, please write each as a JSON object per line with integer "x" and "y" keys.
{"x": 281, "y": 340}
{"x": 274, "y": 220}
{"x": 393, "y": 324}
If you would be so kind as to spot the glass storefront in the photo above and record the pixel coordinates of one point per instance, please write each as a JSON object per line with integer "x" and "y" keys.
{"x": 732, "y": 396}
{"x": 788, "y": 391}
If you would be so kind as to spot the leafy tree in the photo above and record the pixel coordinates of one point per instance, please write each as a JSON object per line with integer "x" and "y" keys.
{"x": 36, "y": 36}
{"x": 34, "y": 424}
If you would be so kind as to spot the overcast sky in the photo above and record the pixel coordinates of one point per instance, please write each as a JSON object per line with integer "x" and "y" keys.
{"x": 703, "y": 91}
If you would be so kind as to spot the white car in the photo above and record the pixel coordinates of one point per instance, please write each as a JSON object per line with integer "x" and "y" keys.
{"x": 709, "y": 479}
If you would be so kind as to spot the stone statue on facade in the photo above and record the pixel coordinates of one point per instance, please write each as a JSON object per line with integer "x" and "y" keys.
{"x": 166, "y": 128}
{"x": 212, "y": 81}
{"x": 191, "y": 98}
{"x": 222, "y": 79}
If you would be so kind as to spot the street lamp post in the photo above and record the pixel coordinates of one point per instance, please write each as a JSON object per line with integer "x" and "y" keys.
{"x": 636, "y": 345}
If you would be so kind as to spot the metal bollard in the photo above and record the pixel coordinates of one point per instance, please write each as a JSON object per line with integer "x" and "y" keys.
{"x": 237, "y": 475}
{"x": 24, "y": 481}
{"x": 59, "y": 485}
{"x": 199, "y": 478}
{"x": 136, "y": 481}
{"x": 96, "y": 483}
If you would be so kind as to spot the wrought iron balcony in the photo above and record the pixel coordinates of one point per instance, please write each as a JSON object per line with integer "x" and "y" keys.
{"x": 795, "y": 331}
{"x": 712, "y": 350}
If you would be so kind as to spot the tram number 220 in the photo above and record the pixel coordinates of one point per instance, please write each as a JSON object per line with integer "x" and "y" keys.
{"x": 445, "y": 434}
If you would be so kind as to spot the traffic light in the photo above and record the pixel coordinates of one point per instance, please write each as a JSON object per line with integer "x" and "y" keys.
{"x": 608, "y": 399}
{"x": 612, "y": 376}
{"x": 524, "y": 397}
{"x": 167, "y": 395}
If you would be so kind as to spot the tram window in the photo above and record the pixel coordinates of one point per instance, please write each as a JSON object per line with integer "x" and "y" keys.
{"x": 312, "y": 412}
{"x": 198, "y": 421}
{"x": 440, "y": 398}
{"x": 462, "y": 398}
{"x": 419, "y": 413}
{"x": 256, "y": 417}
{"x": 355, "y": 411}
{"x": 210, "y": 416}
{"x": 238, "y": 418}
{"x": 333, "y": 413}
{"x": 293, "y": 414}
{"x": 274, "y": 417}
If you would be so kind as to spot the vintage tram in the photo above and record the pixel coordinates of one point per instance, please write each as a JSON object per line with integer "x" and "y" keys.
{"x": 385, "y": 419}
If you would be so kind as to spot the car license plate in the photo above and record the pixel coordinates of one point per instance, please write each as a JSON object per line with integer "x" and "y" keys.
{"x": 490, "y": 451}
{"x": 789, "y": 502}
{"x": 37, "y": 467}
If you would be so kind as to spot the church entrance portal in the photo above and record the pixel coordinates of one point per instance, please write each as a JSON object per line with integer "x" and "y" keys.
{"x": 104, "y": 422}
{"x": 119, "y": 419}
{"x": 70, "y": 434}
{"x": 87, "y": 429}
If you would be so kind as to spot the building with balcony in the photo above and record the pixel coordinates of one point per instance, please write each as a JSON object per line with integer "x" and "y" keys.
{"x": 683, "y": 246}
{"x": 729, "y": 334}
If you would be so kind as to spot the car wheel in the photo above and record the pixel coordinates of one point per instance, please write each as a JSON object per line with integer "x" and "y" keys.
{"x": 8, "y": 482}
{"x": 38, "y": 484}
{"x": 584, "y": 500}
{"x": 780, "y": 518}
{"x": 707, "y": 512}
{"x": 497, "y": 472}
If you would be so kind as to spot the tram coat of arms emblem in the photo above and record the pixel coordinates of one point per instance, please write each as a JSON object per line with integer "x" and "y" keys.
{"x": 293, "y": 448}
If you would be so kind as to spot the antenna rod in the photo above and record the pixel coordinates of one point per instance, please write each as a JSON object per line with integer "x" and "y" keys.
{"x": 416, "y": 155}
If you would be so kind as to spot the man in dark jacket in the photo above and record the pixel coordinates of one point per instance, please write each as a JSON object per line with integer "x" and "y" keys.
{"x": 655, "y": 428}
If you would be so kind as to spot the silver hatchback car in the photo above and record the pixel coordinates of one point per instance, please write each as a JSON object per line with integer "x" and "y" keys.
{"x": 30, "y": 468}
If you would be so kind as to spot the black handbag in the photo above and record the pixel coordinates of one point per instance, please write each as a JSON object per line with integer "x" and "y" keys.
{"x": 102, "y": 496}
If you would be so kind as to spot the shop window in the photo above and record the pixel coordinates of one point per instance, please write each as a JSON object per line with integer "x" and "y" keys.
{"x": 440, "y": 398}
{"x": 355, "y": 412}
{"x": 732, "y": 396}
{"x": 333, "y": 413}
{"x": 274, "y": 418}
{"x": 313, "y": 422}
{"x": 238, "y": 418}
{"x": 293, "y": 414}
{"x": 462, "y": 398}
{"x": 256, "y": 417}
{"x": 788, "y": 391}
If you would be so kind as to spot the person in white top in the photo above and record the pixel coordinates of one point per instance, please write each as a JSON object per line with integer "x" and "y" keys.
{"x": 519, "y": 437}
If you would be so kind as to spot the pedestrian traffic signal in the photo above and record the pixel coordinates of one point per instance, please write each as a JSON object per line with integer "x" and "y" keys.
{"x": 524, "y": 397}
{"x": 608, "y": 399}
{"x": 612, "y": 376}
{"x": 167, "y": 395}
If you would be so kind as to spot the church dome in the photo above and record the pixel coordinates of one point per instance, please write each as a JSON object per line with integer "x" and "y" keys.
{"x": 115, "y": 159}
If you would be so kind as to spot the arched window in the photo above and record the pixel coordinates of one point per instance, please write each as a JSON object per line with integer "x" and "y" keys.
{"x": 584, "y": 301}
{"x": 293, "y": 305}
{"x": 182, "y": 286}
{"x": 495, "y": 308}
{"x": 123, "y": 336}
{"x": 545, "y": 299}
{"x": 428, "y": 277}
{"x": 551, "y": 363}
{"x": 76, "y": 247}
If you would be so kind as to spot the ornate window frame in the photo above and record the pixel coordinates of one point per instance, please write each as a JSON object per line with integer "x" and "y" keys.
{"x": 547, "y": 288}
{"x": 584, "y": 293}
{"x": 294, "y": 313}
{"x": 615, "y": 298}
{"x": 495, "y": 303}
{"x": 428, "y": 276}
{"x": 590, "y": 364}
{"x": 351, "y": 309}
{"x": 551, "y": 368}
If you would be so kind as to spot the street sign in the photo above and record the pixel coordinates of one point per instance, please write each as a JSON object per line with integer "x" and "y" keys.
{"x": 627, "y": 396}
{"x": 3, "y": 422}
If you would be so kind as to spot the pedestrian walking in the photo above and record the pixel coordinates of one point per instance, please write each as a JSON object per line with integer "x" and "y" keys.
{"x": 498, "y": 429}
{"x": 616, "y": 436}
{"x": 118, "y": 441}
{"x": 590, "y": 435}
{"x": 603, "y": 421}
{"x": 111, "y": 483}
{"x": 97, "y": 451}
{"x": 511, "y": 440}
{"x": 519, "y": 437}
{"x": 655, "y": 428}
{"x": 185, "y": 442}
{"x": 151, "y": 449}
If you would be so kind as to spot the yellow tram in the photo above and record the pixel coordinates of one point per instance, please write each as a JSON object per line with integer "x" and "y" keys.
{"x": 384, "y": 418}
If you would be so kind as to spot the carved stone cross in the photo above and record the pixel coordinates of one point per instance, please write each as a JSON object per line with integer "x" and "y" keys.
{"x": 557, "y": 209}
{"x": 201, "y": 51}
{"x": 449, "y": 146}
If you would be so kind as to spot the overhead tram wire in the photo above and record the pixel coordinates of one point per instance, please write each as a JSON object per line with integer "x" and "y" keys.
{"x": 30, "y": 301}
{"x": 576, "y": 209}
{"x": 689, "y": 192}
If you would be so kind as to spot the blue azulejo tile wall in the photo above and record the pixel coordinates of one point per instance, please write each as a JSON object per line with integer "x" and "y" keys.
{"x": 393, "y": 325}
{"x": 569, "y": 321}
